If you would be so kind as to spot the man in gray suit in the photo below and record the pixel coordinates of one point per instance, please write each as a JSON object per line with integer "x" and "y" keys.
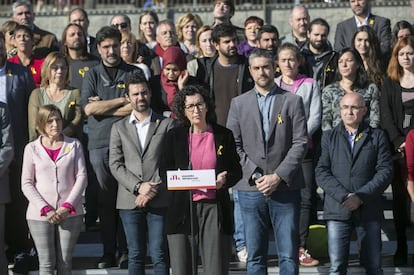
{"x": 269, "y": 128}
{"x": 135, "y": 152}
{"x": 362, "y": 16}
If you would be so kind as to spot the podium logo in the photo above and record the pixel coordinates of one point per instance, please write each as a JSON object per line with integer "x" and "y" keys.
{"x": 175, "y": 177}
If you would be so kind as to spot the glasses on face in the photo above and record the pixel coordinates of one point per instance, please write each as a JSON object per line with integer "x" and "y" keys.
{"x": 57, "y": 67}
{"x": 191, "y": 107}
{"x": 120, "y": 25}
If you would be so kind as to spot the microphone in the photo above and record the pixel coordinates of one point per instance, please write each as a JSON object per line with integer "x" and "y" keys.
{"x": 190, "y": 145}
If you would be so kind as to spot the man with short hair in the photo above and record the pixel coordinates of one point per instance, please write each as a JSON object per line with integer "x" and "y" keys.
{"x": 103, "y": 101}
{"x": 362, "y": 16}
{"x": 44, "y": 41}
{"x": 269, "y": 127}
{"x": 354, "y": 169}
{"x": 166, "y": 36}
{"x": 227, "y": 73}
{"x": 223, "y": 11}
{"x": 299, "y": 21}
{"x": 80, "y": 16}
{"x": 135, "y": 152}
{"x": 268, "y": 39}
{"x": 321, "y": 60}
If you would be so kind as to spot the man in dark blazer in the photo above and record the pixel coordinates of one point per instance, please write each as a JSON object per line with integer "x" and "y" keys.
{"x": 15, "y": 93}
{"x": 354, "y": 169}
{"x": 6, "y": 157}
{"x": 362, "y": 16}
{"x": 135, "y": 152}
{"x": 44, "y": 41}
{"x": 269, "y": 128}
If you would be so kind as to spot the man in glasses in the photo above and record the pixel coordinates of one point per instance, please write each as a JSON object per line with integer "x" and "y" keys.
{"x": 354, "y": 169}
{"x": 121, "y": 22}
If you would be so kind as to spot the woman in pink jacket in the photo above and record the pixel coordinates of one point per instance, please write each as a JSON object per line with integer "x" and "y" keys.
{"x": 53, "y": 180}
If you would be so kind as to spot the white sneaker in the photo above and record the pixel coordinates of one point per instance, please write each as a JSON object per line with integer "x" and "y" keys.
{"x": 242, "y": 255}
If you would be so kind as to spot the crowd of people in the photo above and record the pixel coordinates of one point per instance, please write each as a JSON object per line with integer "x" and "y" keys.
{"x": 106, "y": 116}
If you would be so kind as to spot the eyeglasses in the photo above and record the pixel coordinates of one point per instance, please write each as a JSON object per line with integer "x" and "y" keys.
{"x": 57, "y": 67}
{"x": 191, "y": 107}
{"x": 352, "y": 107}
{"x": 122, "y": 25}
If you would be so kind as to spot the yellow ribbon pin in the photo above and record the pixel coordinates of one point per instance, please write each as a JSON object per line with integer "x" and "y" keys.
{"x": 67, "y": 149}
{"x": 71, "y": 104}
{"x": 121, "y": 86}
{"x": 279, "y": 119}
{"x": 371, "y": 22}
{"x": 82, "y": 72}
{"x": 219, "y": 150}
{"x": 9, "y": 73}
{"x": 358, "y": 137}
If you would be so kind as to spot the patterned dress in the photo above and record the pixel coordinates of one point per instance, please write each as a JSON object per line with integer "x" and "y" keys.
{"x": 331, "y": 97}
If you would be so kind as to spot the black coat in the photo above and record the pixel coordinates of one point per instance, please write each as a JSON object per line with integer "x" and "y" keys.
{"x": 177, "y": 157}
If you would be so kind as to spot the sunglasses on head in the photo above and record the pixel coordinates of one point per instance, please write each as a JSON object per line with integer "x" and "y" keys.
{"x": 122, "y": 25}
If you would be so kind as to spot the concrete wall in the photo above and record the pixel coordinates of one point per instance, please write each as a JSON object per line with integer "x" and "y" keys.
{"x": 275, "y": 14}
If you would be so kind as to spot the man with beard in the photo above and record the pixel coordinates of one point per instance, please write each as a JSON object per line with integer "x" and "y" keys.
{"x": 135, "y": 152}
{"x": 16, "y": 84}
{"x": 227, "y": 73}
{"x": 44, "y": 41}
{"x": 104, "y": 103}
{"x": 321, "y": 61}
{"x": 269, "y": 128}
{"x": 268, "y": 39}
{"x": 74, "y": 46}
{"x": 362, "y": 16}
{"x": 299, "y": 21}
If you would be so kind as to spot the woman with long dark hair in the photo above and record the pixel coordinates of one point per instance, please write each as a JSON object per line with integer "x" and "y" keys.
{"x": 352, "y": 78}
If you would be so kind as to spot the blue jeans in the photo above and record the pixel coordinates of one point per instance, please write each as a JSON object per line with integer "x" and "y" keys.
{"x": 138, "y": 224}
{"x": 260, "y": 213}
{"x": 238, "y": 235}
{"x": 369, "y": 240}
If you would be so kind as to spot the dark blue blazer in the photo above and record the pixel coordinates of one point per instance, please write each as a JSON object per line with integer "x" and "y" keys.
{"x": 366, "y": 171}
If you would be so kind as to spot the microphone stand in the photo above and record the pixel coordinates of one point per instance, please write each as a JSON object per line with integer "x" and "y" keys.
{"x": 190, "y": 193}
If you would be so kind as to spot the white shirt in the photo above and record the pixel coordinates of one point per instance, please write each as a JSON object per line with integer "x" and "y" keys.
{"x": 364, "y": 23}
{"x": 3, "y": 92}
{"x": 141, "y": 127}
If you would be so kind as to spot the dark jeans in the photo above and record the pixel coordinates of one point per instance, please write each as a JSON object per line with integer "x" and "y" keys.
{"x": 260, "y": 213}
{"x": 111, "y": 227}
{"x": 144, "y": 225}
{"x": 308, "y": 201}
{"x": 369, "y": 239}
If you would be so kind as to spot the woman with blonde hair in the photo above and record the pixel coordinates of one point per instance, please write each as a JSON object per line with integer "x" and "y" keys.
{"x": 148, "y": 21}
{"x": 205, "y": 50}
{"x": 54, "y": 89}
{"x": 187, "y": 26}
{"x": 130, "y": 54}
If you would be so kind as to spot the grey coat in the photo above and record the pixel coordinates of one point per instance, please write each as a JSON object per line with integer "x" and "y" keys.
{"x": 130, "y": 164}
{"x": 285, "y": 148}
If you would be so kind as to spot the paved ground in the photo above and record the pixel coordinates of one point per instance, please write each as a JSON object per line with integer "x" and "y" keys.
{"x": 89, "y": 249}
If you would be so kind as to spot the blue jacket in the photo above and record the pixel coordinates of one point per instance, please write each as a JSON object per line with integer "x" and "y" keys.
{"x": 367, "y": 171}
